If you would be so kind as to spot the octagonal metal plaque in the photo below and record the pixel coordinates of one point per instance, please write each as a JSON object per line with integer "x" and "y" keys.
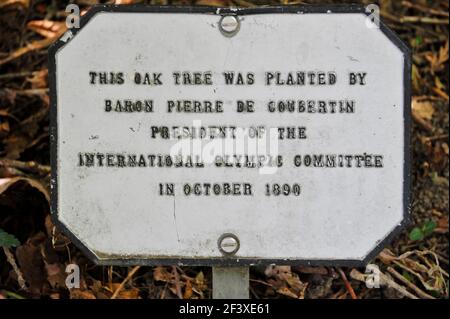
{"x": 274, "y": 135}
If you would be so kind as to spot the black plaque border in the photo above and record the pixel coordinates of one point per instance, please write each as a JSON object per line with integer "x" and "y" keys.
{"x": 226, "y": 260}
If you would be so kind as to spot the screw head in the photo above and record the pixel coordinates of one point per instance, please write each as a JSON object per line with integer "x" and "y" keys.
{"x": 228, "y": 244}
{"x": 229, "y": 25}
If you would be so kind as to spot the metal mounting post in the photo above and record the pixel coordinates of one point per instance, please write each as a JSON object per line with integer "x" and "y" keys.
{"x": 230, "y": 282}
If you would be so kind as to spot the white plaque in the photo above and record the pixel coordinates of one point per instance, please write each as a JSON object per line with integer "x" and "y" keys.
{"x": 230, "y": 136}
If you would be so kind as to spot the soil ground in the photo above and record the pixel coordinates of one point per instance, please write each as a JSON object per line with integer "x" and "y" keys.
{"x": 35, "y": 254}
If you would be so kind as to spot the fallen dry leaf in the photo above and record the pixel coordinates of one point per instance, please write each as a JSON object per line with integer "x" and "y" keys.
{"x": 47, "y": 28}
{"x": 200, "y": 282}
{"x": 131, "y": 293}
{"x": 188, "y": 290}
{"x": 22, "y": 3}
{"x": 56, "y": 275}
{"x": 286, "y": 292}
{"x": 422, "y": 108}
{"x": 81, "y": 294}
{"x": 416, "y": 78}
{"x": 124, "y": 1}
{"x": 162, "y": 274}
{"x": 442, "y": 227}
{"x": 6, "y": 183}
{"x": 445, "y": 148}
{"x": 31, "y": 263}
{"x": 438, "y": 60}
{"x": 312, "y": 270}
{"x": 4, "y": 128}
{"x": 387, "y": 257}
{"x": 38, "y": 79}
{"x": 288, "y": 282}
{"x": 213, "y": 3}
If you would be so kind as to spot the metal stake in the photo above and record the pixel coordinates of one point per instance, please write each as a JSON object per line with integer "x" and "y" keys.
{"x": 230, "y": 282}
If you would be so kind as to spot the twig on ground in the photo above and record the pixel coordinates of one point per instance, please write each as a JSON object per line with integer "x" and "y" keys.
{"x": 389, "y": 16}
{"x": 384, "y": 281}
{"x": 33, "y": 46}
{"x": 419, "y": 291}
{"x": 441, "y": 93}
{"x": 163, "y": 293}
{"x": 425, "y": 9}
{"x": 12, "y": 261}
{"x": 423, "y": 123}
{"x": 253, "y": 292}
{"x": 130, "y": 275}
{"x": 243, "y": 3}
{"x": 347, "y": 284}
{"x": 436, "y": 138}
{"x": 23, "y": 3}
{"x": 33, "y": 92}
{"x": 426, "y": 20}
{"x": 441, "y": 258}
{"x": 262, "y": 282}
{"x": 177, "y": 282}
{"x": 27, "y": 166}
{"x": 110, "y": 277}
{"x": 8, "y": 76}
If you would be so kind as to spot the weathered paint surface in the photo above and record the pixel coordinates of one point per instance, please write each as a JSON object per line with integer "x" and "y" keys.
{"x": 342, "y": 214}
